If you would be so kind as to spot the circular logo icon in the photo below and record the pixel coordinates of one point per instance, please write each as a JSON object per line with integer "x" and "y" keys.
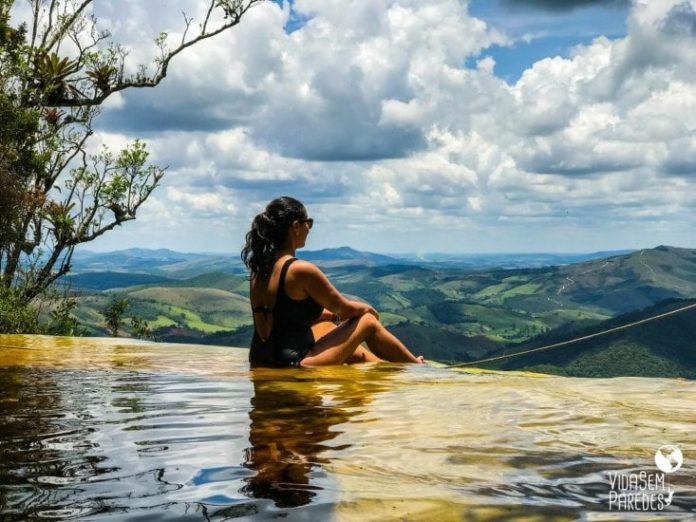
{"x": 669, "y": 458}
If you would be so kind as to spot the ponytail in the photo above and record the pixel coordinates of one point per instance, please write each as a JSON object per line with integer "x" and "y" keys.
{"x": 268, "y": 234}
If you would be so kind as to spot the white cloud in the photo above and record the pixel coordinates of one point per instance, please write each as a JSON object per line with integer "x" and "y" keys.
{"x": 204, "y": 203}
{"x": 371, "y": 115}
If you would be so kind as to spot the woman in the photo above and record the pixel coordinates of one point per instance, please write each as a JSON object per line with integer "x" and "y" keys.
{"x": 292, "y": 300}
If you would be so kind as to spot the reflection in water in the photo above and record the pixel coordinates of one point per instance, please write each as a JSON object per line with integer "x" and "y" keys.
{"x": 44, "y": 445}
{"x": 292, "y": 421}
{"x": 77, "y": 443}
{"x": 112, "y": 430}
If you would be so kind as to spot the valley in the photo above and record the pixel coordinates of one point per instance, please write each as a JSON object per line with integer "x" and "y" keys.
{"x": 450, "y": 313}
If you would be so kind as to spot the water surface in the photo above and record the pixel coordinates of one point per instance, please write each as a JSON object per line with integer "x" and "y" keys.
{"x": 124, "y": 430}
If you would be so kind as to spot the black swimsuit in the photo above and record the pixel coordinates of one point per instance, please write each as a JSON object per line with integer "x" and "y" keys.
{"x": 291, "y": 335}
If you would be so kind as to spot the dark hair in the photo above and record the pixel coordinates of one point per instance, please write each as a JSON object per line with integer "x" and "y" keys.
{"x": 268, "y": 234}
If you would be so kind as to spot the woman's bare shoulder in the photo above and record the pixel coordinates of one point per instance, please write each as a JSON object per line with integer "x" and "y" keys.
{"x": 305, "y": 267}
{"x": 307, "y": 272}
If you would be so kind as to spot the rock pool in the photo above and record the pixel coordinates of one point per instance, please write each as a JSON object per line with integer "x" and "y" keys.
{"x": 114, "y": 429}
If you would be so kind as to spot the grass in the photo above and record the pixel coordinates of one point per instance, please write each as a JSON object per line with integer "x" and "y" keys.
{"x": 525, "y": 289}
{"x": 458, "y": 289}
{"x": 202, "y": 299}
{"x": 564, "y": 315}
{"x": 501, "y": 324}
{"x": 160, "y": 314}
{"x": 492, "y": 291}
{"x": 208, "y": 310}
{"x": 161, "y": 321}
{"x": 389, "y": 319}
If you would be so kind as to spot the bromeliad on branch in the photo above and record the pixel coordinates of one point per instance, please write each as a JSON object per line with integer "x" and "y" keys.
{"x": 55, "y": 72}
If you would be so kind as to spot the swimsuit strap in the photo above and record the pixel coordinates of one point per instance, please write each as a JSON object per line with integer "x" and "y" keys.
{"x": 283, "y": 273}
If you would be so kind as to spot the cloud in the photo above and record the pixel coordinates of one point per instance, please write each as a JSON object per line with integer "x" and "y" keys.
{"x": 214, "y": 85}
{"x": 681, "y": 19}
{"x": 327, "y": 92}
{"x": 680, "y": 159}
{"x": 337, "y": 98}
{"x": 372, "y": 114}
{"x": 563, "y": 5}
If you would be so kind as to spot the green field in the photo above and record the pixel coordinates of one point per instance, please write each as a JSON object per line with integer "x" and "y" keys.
{"x": 206, "y": 310}
{"x": 497, "y": 308}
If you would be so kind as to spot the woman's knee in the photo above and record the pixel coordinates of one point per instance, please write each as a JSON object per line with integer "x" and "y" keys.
{"x": 369, "y": 322}
{"x": 366, "y": 323}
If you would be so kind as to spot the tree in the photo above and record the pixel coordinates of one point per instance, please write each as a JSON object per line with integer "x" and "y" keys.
{"x": 56, "y": 196}
{"x": 141, "y": 330}
{"x": 16, "y": 316}
{"x": 62, "y": 322}
{"x": 113, "y": 314}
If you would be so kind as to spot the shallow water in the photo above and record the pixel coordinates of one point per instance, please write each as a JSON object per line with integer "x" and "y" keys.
{"x": 123, "y": 430}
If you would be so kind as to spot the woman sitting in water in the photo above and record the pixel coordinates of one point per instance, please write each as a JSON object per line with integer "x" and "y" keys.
{"x": 295, "y": 306}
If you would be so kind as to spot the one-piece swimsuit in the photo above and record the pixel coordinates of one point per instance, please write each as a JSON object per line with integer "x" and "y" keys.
{"x": 291, "y": 335}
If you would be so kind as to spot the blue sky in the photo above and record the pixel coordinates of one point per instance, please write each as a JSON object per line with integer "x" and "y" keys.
{"x": 538, "y": 32}
{"x": 412, "y": 126}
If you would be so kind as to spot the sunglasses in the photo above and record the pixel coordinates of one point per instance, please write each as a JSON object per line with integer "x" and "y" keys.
{"x": 309, "y": 221}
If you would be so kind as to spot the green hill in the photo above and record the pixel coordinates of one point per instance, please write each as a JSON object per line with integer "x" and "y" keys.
{"x": 625, "y": 283}
{"x": 205, "y": 310}
{"x": 660, "y": 348}
{"x": 441, "y": 344}
{"x": 108, "y": 280}
{"x": 447, "y": 313}
{"x": 237, "y": 284}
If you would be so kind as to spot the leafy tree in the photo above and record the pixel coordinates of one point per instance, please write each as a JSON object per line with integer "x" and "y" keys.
{"x": 15, "y": 315}
{"x": 113, "y": 314}
{"x": 55, "y": 72}
{"x": 141, "y": 330}
{"x": 62, "y": 322}
{"x": 19, "y": 127}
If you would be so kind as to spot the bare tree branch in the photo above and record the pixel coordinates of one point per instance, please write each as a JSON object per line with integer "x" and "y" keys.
{"x": 204, "y": 26}
{"x": 49, "y": 24}
{"x": 233, "y": 9}
{"x": 35, "y": 24}
{"x": 71, "y": 198}
{"x": 67, "y": 24}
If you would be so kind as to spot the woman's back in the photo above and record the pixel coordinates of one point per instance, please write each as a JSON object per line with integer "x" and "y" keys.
{"x": 287, "y": 300}
{"x": 290, "y": 321}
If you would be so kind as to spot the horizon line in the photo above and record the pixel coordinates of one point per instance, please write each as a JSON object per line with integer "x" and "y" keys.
{"x": 414, "y": 254}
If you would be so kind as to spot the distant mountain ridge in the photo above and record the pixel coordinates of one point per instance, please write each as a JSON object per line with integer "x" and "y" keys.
{"x": 140, "y": 260}
{"x": 157, "y": 254}
{"x": 171, "y": 264}
{"x": 447, "y": 312}
{"x": 634, "y": 281}
{"x": 346, "y": 254}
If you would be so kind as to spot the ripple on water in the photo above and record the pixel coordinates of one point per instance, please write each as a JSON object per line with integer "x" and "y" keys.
{"x": 142, "y": 432}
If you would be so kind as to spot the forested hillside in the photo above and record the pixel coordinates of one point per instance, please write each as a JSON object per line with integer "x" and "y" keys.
{"x": 451, "y": 314}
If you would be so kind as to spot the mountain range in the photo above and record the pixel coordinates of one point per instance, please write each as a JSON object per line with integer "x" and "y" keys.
{"x": 449, "y": 312}
{"x": 168, "y": 263}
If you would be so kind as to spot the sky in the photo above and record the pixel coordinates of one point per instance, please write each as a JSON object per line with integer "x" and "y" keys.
{"x": 413, "y": 126}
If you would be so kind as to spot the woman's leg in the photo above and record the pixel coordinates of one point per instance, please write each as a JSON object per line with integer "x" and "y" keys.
{"x": 386, "y": 345}
{"x": 359, "y": 356}
{"x": 337, "y": 346}
{"x": 320, "y": 329}
{"x": 363, "y": 355}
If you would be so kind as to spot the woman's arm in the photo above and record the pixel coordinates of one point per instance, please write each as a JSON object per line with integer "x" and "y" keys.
{"x": 326, "y": 315}
{"x": 319, "y": 288}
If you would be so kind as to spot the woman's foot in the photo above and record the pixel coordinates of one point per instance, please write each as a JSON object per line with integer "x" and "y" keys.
{"x": 421, "y": 359}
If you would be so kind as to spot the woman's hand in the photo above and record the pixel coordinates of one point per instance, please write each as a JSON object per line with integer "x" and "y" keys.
{"x": 326, "y": 315}
{"x": 366, "y": 309}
